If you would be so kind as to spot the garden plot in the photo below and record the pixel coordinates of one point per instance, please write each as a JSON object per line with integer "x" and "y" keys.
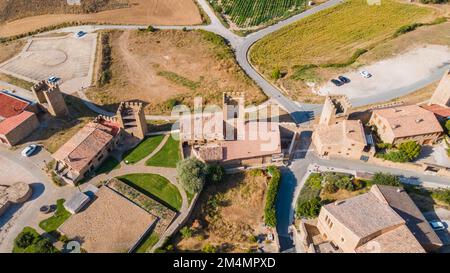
{"x": 68, "y": 58}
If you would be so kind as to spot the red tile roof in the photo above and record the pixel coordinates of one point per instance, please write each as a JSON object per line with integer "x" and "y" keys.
{"x": 11, "y": 106}
{"x": 11, "y": 123}
{"x": 438, "y": 110}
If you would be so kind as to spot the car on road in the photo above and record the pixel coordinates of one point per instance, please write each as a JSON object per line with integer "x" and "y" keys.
{"x": 53, "y": 79}
{"x": 344, "y": 79}
{"x": 437, "y": 225}
{"x": 365, "y": 74}
{"x": 337, "y": 82}
{"x": 28, "y": 151}
{"x": 80, "y": 34}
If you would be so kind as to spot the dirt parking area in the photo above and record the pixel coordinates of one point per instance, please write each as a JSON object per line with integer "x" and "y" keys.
{"x": 10, "y": 172}
{"x": 68, "y": 58}
{"x": 141, "y": 12}
{"x": 395, "y": 77}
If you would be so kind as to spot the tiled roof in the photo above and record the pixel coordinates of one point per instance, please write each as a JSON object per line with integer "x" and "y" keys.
{"x": 11, "y": 105}
{"x": 344, "y": 133}
{"x": 438, "y": 110}
{"x": 11, "y": 123}
{"x": 411, "y": 120}
{"x": 85, "y": 145}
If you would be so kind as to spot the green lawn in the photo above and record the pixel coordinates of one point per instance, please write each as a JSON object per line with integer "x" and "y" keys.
{"x": 144, "y": 149}
{"x": 148, "y": 243}
{"x": 168, "y": 156}
{"x": 155, "y": 186}
{"x": 61, "y": 214}
{"x": 108, "y": 165}
{"x": 334, "y": 35}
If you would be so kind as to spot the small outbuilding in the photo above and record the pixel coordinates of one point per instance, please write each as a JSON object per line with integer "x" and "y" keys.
{"x": 77, "y": 202}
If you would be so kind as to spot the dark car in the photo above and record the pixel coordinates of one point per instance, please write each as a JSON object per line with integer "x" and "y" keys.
{"x": 337, "y": 82}
{"x": 344, "y": 79}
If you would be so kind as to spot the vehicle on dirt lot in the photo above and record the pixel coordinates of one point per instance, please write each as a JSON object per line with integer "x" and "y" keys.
{"x": 365, "y": 74}
{"x": 28, "y": 151}
{"x": 344, "y": 79}
{"x": 337, "y": 82}
{"x": 53, "y": 79}
{"x": 80, "y": 34}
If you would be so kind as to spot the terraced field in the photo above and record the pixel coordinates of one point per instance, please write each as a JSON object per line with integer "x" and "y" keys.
{"x": 245, "y": 13}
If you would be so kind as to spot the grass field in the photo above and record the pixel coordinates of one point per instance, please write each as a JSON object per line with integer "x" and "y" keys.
{"x": 332, "y": 38}
{"x": 149, "y": 241}
{"x": 61, "y": 215}
{"x": 168, "y": 156}
{"x": 144, "y": 149}
{"x": 246, "y": 13}
{"x": 156, "y": 186}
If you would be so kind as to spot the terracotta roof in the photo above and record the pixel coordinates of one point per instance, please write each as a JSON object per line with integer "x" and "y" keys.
{"x": 411, "y": 120}
{"x": 344, "y": 133}
{"x": 210, "y": 152}
{"x": 398, "y": 240}
{"x": 85, "y": 145}
{"x": 11, "y": 123}
{"x": 403, "y": 205}
{"x": 110, "y": 224}
{"x": 438, "y": 110}
{"x": 364, "y": 214}
{"x": 11, "y": 105}
{"x": 260, "y": 144}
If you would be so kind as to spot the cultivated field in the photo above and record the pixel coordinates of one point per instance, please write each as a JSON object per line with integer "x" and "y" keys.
{"x": 228, "y": 215}
{"x": 330, "y": 39}
{"x": 170, "y": 67}
{"x": 246, "y": 14}
{"x": 142, "y": 12}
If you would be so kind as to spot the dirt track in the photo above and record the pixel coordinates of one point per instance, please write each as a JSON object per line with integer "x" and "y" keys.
{"x": 142, "y": 12}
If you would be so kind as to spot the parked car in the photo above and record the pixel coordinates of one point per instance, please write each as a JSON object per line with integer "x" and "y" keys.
{"x": 28, "y": 151}
{"x": 80, "y": 34}
{"x": 337, "y": 82}
{"x": 344, "y": 79}
{"x": 365, "y": 74}
{"x": 437, "y": 225}
{"x": 53, "y": 79}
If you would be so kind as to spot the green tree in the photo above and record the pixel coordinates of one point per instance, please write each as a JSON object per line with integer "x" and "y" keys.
{"x": 186, "y": 232}
{"x": 192, "y": 174}
{"x": 24, "y": 239}
{"x": 44, "y": 245}
{"x": 411, "y": 150}
{"x": 309, "y": 208}
{"x": 276, "y": 74}
{"x": 209, "y": 249}
{"x": 215, "y": 173}
{"x": 447, "y": 126}
{"x": 386, "y": 179}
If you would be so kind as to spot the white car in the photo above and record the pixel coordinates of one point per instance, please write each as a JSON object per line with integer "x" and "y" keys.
{"x": 365, "y": 74}
{"x": 437, "y": 225}
{"x": 28, "y": 151}
{"x": 52, "y": 79}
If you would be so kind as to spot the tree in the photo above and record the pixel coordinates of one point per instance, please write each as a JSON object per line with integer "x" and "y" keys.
{"x": 447, "y": 126}
{"x": 410, "y": 150}
{"x": 330, "y": 187}
{"x": 25, "y": 239}
{"x": 192, "y": 174}
{"x": 386, "y": 179}
{"x": 309, "y": 208}
{"x": 209, "y": 249}
{"x": 186, "y": 232}
{"x": 44, "y": 245}
{"x": 215, "y": 173}
{"x": 276, "y": 74}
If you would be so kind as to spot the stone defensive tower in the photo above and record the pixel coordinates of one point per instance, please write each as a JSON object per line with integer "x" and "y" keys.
{"x": 442, "y": 94}
{"x": 49, "y": 96}
{"x": 234, "y": 115}
{"x": 335, "y": 109}
{"x": 131, "y": 118}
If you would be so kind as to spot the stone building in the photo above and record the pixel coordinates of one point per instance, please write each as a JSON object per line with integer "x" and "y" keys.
{"x": 400, "y": 124}
{"x": 17, "y": 118}
{"x": 49, "y": 96}
{"x": 384, "y": 220}
{"x": 87, "y": 150}
{"x": 131, "y": 117}
{"x": 335, "y": 109}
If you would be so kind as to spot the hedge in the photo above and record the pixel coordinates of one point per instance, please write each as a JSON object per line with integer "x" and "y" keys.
{"x": 270, "y": 217}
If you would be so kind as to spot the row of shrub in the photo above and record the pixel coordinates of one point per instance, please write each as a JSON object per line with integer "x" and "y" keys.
{"x": 105, "y": 66}
{"x": 405, "y": 152}
{"x": 270, "y": 217}
{"x": 309, "y": 202}
{"x": 411, "y": 27}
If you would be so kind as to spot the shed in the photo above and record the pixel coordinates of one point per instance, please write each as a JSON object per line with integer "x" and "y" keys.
{"x": 77, "y": 202}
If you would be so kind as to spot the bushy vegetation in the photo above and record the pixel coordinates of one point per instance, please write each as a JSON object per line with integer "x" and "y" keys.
{"x": 335, "y": 181}
{"x": 61, "y": 215}
{"x": 406, "y": 152}
{"x": 192, "y": 174}
{"x": 246, "y": 13}
{"x": 219, "y": 44}
{"x": 29, "y": 241}
{"x": 386, "y": 179}
{"x": 215, "y": 173}
{"x": 270, "y": 217}
{"x": 105, "y": 66}
{"x": 308, "y": 202}
{"x": 442, "y": 195}
{"x": 434, "y": 1}
{"x": 411, "y": 27}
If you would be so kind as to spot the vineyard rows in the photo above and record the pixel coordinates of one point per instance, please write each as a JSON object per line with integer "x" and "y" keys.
{"x": 249, "y": 13}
